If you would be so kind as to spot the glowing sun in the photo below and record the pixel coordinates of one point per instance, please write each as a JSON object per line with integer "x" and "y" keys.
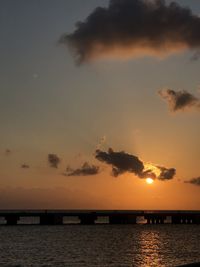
{"x": 149, "y": 181}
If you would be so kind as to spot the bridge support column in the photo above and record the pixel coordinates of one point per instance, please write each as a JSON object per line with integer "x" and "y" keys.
{"x": 87, "y": 219}
{"x": 191, "y": 219}
{"x": 153, "y": 219}
{"x": 148, "y": 220}
{"x": 162, "y": 220}
{"x": 184, "y": 220}
{"x": 11, "y": 219}
{"x": 122, "y": 219}
{"x": 176, "y": 219}
{"x": 196, "y": 219}
{"x": 51, "y": 219}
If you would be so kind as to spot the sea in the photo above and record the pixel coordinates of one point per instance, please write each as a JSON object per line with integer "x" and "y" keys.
{"x": 100, "y": 245}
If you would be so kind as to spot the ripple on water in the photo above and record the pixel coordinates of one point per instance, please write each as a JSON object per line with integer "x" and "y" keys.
{"x": 99, "y": 246}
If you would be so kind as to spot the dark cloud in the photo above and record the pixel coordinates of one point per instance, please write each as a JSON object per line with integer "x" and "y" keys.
{"x": 195, "y": 181}
{"x": 128, "y": 28}
{"x": 53, "y": 160}
{"x": 121, "y": 162}
{"x": 25, "y": 166}
{"x": 85, "y": 170}
{"x": 179, "y": 100}
{"x": 165, "y": 173}
{"x": 148, "y": 174}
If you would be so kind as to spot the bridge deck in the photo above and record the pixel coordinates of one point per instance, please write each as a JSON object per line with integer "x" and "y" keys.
{"x": 33, "y": 213}
{"x": 53, "y": 217}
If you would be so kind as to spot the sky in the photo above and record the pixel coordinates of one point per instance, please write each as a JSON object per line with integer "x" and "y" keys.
{"x": 88, "y": 111}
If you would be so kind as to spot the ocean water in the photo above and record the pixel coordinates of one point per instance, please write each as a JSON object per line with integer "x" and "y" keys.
{"x": 99, "y": 245}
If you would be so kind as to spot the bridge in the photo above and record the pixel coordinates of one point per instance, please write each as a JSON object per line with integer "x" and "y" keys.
{"x": 89, "y": 217}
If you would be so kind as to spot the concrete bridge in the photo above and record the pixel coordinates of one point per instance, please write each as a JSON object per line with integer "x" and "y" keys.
{"x": 55, "y": 217}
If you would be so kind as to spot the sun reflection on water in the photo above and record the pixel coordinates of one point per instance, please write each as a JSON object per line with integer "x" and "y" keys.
{"x": 150, "y": 246}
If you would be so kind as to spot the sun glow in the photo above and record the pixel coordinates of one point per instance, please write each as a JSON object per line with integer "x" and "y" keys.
{"x": 149, "y": 181}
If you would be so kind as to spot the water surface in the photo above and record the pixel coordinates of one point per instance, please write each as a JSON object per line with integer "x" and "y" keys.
{"x": 99, "y": 245}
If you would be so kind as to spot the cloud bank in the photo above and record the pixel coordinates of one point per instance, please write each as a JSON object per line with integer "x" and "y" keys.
{"x": 85, "y": 170}
{"x": 54, "y": 160}
{"x": 123, "y": 162}
{"x": 179, "y": 100}
{"x": 129, "y": 28}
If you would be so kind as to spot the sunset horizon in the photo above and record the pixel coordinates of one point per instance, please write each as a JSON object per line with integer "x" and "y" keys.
{"x": 100, "y": 147}
{"x": 96, "y": 112}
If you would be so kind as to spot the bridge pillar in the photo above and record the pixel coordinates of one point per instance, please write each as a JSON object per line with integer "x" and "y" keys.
{"x": 122, "y": 219}
{"x": 196, "y": 219}
{"x": 51, "y": 219}
{"x": 87, "y": 219}
{"x": 176, "y": 219}
{"x": 148, "y": 220}
{"x": 11, "y": 219}
{"x": 162, "y": 220}
{"x": 158, "y": 220}
{"x": 155, "y": 219}
{"x": 184, "y": 220}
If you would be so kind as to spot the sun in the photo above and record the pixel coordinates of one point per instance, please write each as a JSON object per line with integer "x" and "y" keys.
{"x": 149, "y": 181}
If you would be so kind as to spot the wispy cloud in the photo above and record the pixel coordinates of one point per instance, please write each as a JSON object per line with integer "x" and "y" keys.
{"x": 128, "y": 28}
{"x": 194, "y": 181}
{"x": 85, "y": 170}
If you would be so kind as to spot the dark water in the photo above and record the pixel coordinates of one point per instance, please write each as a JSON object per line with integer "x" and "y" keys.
{"x": 99, "y": 245}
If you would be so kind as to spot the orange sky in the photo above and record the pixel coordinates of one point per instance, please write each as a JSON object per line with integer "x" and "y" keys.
{"x": 49, "y": 105}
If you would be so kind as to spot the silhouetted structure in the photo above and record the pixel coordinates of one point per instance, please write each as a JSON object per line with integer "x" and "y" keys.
{"x": 55, "y": 217}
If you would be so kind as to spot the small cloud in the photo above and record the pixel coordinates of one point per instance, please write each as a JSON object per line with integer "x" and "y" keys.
{"x": 158, "y": 172}
{"x": 179, "y": 100}
{"x": 165, "y": 173}
{"x": 25, "y": 166}
{"x": 85, "y": 170}
{"x": 54, "y": 160}
{"x": 194, "y": 181}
